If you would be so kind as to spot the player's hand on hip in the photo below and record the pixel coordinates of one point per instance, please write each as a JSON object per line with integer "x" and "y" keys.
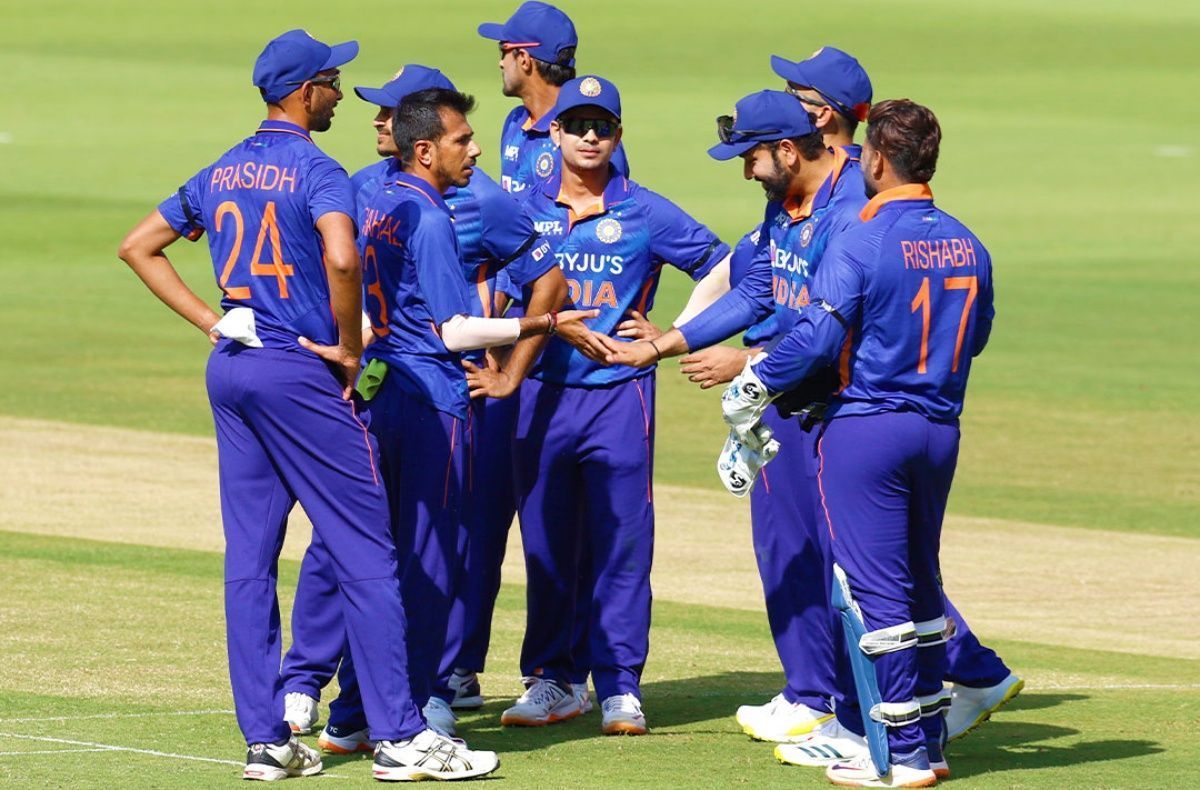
{"x": 489, "y": 381}
{"x": 638, "y": 327}
{"x": 638, "y": 354}
{"x": 346, "y": 362}
{"x": 714, "y": 365}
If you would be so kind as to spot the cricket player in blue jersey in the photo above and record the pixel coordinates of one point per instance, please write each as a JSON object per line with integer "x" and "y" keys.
{"x": 901, "y": 305}
{"x": 278, "y": 214}
{"x": 494, "y": 237}
{"x": 814, "y": 194}
{"x": 537, "y": 57}
{"x": 418, "y": 302}
{"x": 584, "y": 444}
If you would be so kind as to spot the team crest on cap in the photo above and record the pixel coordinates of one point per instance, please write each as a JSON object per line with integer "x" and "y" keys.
{"x": 544, "y": 165}
{"x": 590, "y": 87}
{"x": 806, "y": 234}
{"x": 608, "y": 230}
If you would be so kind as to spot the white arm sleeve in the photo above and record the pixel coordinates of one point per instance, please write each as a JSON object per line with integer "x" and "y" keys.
{"x": 711, "y": 287}
{"x": 466, "y": 333}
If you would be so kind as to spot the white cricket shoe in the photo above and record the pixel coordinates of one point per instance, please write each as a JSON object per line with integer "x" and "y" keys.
{"x": 337, "y": 740}
{"x": 970, "y": 707}
{"x": 906, "y": 771}
{"x": 544, "y": 702}
{"x": 268, "y": 762}
{"x": 622, "y": 715}
{"x": 429, "y": 755}
{"x": 829, "y": 743}
{"x": 580, "y": 690}
{"x": 300, "y": 712}
{"x": 779, "y": 720}
{"x": 467, "y": 693}
{"x": 439, "y": 717}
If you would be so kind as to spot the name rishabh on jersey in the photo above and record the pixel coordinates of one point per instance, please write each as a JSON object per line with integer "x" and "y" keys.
{"x": 612, "y": 258}
{"x": 906, "y": 303}
{"x": 259, "y": 204}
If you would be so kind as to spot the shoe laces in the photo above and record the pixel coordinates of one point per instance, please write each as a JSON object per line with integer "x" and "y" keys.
{"x": 542, "y": 692}
{"x": 622, "y": 703}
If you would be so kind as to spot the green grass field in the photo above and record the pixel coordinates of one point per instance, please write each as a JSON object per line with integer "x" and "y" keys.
{"x": 1070, "y": 141}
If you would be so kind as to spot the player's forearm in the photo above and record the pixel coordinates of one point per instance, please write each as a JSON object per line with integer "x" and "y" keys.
{"x": 712, "y": 287}
{"x": 734, "y": 312}
{"x": 812, "y": 343}
{"x": 345, "y": 298}
{"x": 143, "y": 250}
{"x": 547, "y": 293}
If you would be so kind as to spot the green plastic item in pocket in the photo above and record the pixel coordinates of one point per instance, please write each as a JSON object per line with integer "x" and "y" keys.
{"x": 371, "y": 379}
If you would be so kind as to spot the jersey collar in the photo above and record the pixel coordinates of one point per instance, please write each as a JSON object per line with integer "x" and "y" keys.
{"x": 840, "y": 159}
{"x": 902, "y": 192}
{"x": 542, "y": 126}
{"x": 426, "y": 189}
{"x": 617, "y": 189}
{"x": 284, "y": 127}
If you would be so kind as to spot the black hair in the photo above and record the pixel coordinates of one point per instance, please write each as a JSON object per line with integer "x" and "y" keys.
{"x": 810, "y": 146}
{"x": 418, "y": 117}
{"x": 557, "y": 73}
{"x": 909, "y": 135}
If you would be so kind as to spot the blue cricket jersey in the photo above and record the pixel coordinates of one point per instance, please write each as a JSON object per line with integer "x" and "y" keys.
{"x": 412, "y": 273}
{"x": 495, "y": 237}
{"x": 612, "y": 257}
{"x": 259, "y": 204}
{"x": 528, "y": 155}
{"x": 774, "y": 286}
{"x": 905, "y": 300}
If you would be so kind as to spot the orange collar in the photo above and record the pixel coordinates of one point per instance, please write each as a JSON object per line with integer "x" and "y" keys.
{"x": 796, "y": 211}
{"x": 572, "y": 217}
{"x": 902, "y": 192}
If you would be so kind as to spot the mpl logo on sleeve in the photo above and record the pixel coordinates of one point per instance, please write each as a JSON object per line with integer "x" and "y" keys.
{"x": 608, "y": 230}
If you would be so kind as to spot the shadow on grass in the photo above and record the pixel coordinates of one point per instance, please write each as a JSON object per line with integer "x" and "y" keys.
{"x": 1016, "y": 746}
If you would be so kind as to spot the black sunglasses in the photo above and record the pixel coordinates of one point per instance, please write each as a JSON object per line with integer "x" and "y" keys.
{"x": 829, "y": 101}
{"x": 580, "y": 126}
{"x": 334, "y": 82}
{"x": 728, "y": 135}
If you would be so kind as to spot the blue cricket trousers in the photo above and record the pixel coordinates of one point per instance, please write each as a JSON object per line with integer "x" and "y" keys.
{"x": 584, "y": 470}
{"x": 285, "y": 434}
{"x": 884, "y": 480}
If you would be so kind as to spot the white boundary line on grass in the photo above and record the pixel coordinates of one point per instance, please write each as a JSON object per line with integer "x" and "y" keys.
{"x": 105, "y": 747}
{"x": 1115, "y": 687}
{"x": 51, "y": 751}
{"x": 128, "y": 715}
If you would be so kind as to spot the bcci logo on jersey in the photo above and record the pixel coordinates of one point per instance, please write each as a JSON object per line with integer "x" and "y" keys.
{"x": 608, "y": 231}
{"x": 544, "y": 165}
{"x": 806, "y": 234}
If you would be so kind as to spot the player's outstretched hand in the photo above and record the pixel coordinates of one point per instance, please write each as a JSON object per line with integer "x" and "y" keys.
{"x": 592, "y": 345}
{"x": 713, "y": 365}
{"x": 638, "y": 327}
{"x": 638, "y": 354}
{"x": 489, "y": 381}
{"x": 345, "y": 362}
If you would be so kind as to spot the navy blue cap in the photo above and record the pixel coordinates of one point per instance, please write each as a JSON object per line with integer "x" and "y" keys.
{"x": 763, "y": 117}
{"x": 589, "y": 91}
{"x": 540, "y": 29}
{"x": 838, "y": 77}
{"x": 290, "y": 59}
{"x": 409, "y": 79}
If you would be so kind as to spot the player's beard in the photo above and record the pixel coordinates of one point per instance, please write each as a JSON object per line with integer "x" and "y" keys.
{"x": 776, "y": 185}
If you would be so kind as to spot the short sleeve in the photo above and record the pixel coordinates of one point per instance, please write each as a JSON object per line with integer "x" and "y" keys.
{"x": 439, "y": 270}
{"x": 182, "y": 210}
{"x": 510, "y": 238}
{"x": 681, "y": 241}
{"x": 329, "y": 190}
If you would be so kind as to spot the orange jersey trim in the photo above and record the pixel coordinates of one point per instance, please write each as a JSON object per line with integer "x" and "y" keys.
{"x": 902, "y": 192}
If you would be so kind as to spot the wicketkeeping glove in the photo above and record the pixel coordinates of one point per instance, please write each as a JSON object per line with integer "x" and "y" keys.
{"x": 745, "y": 400}
{"x": 742, "y": 458}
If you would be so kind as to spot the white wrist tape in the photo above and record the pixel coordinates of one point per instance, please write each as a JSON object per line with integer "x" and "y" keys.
{"x": 466, "y": 333}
